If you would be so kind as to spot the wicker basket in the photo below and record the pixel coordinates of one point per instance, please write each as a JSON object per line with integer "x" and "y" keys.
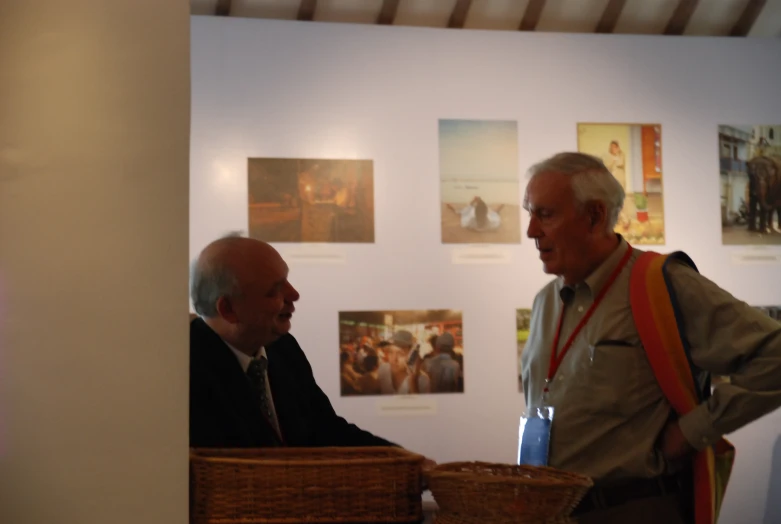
{"x": 458, "y": 519}
{"x": 319, "y": 485}
{"x": 471, "y": 492}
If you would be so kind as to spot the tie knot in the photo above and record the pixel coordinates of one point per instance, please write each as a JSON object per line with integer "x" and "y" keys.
{"x": 258, "y": 367}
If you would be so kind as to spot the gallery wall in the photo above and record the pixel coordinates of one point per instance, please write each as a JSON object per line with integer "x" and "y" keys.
{"x": 94, "y": 105}
{"x": 278, "y": 89}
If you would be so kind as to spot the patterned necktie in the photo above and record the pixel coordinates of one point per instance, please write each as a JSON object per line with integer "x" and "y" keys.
{"x": 256, "y": 372}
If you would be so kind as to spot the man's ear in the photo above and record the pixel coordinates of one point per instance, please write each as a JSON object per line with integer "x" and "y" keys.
{"x": 597, "y": 214}
{"x": 225, "y": 310}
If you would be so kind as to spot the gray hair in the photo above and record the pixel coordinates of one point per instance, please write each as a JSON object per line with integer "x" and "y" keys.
{"x": 590, "y": 179}
{"x": 211, "y": 279}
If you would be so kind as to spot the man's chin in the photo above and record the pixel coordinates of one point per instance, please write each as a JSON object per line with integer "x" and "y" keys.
{"x": 282, "y": 326}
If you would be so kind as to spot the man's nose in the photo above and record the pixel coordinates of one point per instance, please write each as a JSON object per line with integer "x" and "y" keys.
{"x": 533, "y": 231}
{"x": 291, "y": 294}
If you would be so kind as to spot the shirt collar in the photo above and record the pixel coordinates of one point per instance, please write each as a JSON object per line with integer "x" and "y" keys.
{"x": 245, "y": 359}
{"x": 242, "y": 357}
{"x": 599, "y": 276}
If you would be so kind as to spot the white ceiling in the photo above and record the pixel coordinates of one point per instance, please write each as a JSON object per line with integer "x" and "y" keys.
{"x": 709, "y": 18}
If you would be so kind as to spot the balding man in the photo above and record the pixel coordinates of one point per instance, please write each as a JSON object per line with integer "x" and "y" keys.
{"x": 250, "y": 383}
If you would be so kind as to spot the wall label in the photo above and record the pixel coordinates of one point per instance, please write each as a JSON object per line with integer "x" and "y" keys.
{"x": 407, "y": 406}
{"x": 478, "y": 254}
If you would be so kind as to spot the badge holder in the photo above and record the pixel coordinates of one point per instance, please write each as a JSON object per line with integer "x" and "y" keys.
{"x": 534, "y": 436}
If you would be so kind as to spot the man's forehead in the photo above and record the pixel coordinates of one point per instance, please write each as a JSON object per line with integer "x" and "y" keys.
{"x": 546, "y": 187}
{"x": 264, "y": 270}
{"x": 265, "y": 280}
{"x": 537, "y": 196}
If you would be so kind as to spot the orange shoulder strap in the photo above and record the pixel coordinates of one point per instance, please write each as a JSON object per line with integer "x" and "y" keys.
{"x": 660, "y": 326}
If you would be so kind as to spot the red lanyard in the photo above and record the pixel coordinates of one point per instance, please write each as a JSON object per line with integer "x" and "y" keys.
{"x": 556, "y": 361}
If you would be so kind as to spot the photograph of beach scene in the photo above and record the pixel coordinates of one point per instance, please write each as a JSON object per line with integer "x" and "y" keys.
{"x": 479, "y": 188}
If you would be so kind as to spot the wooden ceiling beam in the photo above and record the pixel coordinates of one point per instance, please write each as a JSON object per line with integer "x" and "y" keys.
{"x": 747, "y": 18}
{"x": 610, "y": 16}
{"x": 223, "y": 8}
{"x": 388, "y": 12}
{"x": 681, "y": 16}
{"x": 531, "y": 17}
{"x": 306, "y": 10}
{"x": 458, "y": 16}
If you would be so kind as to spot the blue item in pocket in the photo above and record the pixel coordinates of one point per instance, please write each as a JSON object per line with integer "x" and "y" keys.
{"x": 535, "y": 439}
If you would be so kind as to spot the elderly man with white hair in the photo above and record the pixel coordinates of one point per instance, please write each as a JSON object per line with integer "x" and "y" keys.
{"x": 612, "y": 421}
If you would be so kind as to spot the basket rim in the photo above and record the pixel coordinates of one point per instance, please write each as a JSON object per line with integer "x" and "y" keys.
{"x": 571, "y": 477}
{"x": 284, "y": 456}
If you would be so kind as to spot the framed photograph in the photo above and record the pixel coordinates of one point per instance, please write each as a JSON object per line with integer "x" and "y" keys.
{"x": 479, "y": 188}
{"x": 401, "y": 352}
{"x": 633, "y": 154}
{"x": 522, "y": 318}
{"x": 311, "y": 200}
{"x": 773, "y": 312}
{"x": 749, "y": 184}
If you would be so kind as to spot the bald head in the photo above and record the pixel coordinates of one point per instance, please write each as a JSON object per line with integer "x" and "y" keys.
{"x": 223, "y": 268}
{"x": 239, "y": 285}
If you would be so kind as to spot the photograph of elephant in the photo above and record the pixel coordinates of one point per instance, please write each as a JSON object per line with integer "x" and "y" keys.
{"x": 633, "y": 153}
{"x": 401, "y": 352}
{"x": 522, "y": 319}
{"x": 479, "y": 188}
{"x": 773, "y": 312}
{"x": 750, "y": 183}
{"x": 311, "y": 200}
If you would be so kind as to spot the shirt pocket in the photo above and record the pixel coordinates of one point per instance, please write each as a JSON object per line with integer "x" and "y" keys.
{"x": 612, "y": 374}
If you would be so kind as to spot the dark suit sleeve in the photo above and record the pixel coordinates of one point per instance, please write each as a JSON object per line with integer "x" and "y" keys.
{"x": 204, "y": 424}
{"x": 335, "y": 430}
{"x": 331, "y": 429}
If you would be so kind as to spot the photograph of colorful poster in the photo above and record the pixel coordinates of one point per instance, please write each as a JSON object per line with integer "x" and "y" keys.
{"x": 633, "y": 154}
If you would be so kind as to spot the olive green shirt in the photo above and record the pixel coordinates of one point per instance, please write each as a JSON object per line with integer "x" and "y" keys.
{"x": 608, "y": 409}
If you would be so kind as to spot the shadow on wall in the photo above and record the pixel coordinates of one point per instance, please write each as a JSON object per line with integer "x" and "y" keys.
{"x": 773, "y": 508}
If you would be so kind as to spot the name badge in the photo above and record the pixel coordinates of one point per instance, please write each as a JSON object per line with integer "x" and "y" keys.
{"x": 534, "y": 437}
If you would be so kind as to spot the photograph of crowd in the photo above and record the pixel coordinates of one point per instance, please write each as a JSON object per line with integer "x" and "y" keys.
{"x": 401, "y": 352}
{"x": 522, "y": 318}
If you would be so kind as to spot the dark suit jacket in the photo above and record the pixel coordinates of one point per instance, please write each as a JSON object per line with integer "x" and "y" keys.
{"x": 223, "y": 412}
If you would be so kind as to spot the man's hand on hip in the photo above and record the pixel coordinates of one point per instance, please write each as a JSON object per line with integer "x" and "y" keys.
{"x": 674, "y": 445}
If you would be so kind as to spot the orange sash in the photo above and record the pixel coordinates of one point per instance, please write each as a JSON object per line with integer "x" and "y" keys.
{"x": 660, "y": 326}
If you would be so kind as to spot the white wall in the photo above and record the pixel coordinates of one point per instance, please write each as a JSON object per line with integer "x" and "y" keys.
{"x": 94, "y": 133}
{"x": 288, "y": 89}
